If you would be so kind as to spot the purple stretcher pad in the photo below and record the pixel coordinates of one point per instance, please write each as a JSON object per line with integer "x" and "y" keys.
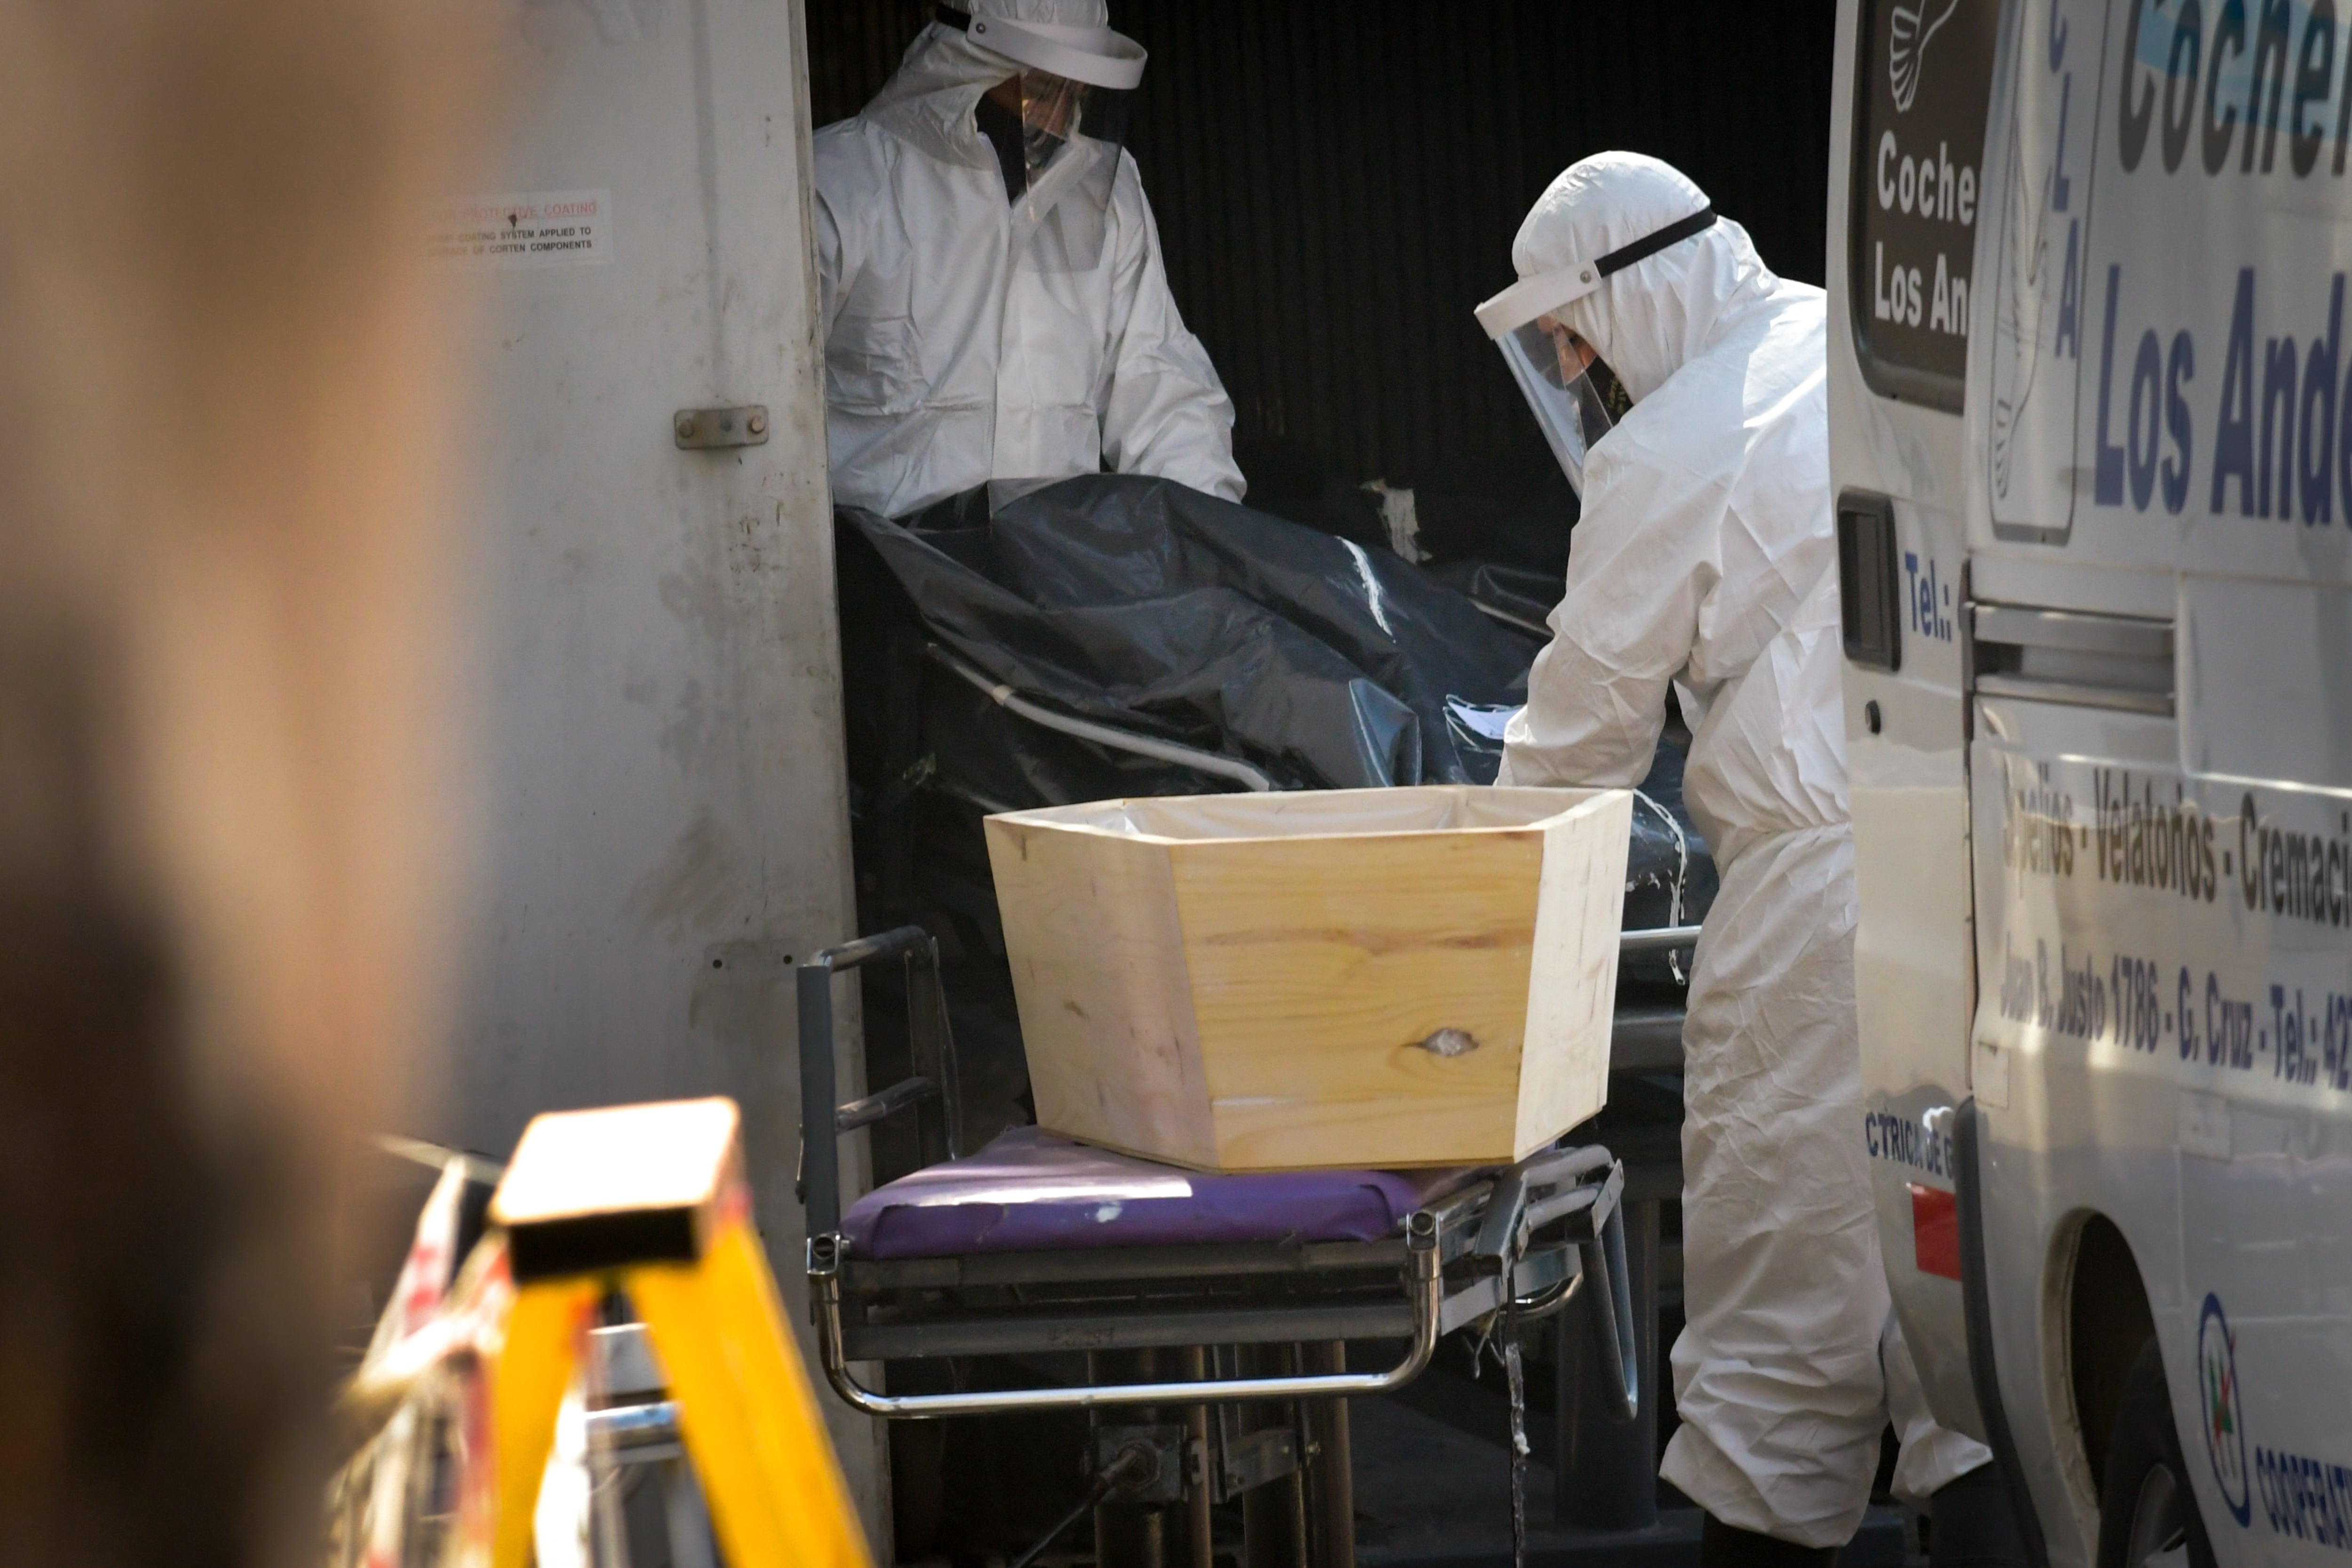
{"x": 1034, "y": 1191}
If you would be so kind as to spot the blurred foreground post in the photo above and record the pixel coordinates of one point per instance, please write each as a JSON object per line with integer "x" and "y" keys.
{"x": 218, "y": 737}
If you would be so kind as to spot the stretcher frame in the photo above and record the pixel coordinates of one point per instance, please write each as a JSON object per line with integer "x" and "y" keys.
{"x": 1545, "y": 1223}
{"x": 1527, "y": 1238}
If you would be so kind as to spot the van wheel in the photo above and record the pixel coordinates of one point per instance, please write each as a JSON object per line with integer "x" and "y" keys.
{"x": 2148, "y": 1514}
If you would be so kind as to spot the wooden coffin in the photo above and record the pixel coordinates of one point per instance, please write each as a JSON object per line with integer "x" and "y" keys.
{"x": 1368, "y": 978}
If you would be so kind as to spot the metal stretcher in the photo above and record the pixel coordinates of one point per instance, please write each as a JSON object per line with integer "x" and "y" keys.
{"x": 1198, "y": 1301}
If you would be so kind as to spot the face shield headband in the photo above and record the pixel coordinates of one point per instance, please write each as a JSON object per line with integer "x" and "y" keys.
{"x": 1060, "y": 151}
{"x": 1554, "y": 370}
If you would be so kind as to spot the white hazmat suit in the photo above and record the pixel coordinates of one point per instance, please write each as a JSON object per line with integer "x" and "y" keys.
{"x": 965, "y": 339}
{"x": 1707, "y": 559}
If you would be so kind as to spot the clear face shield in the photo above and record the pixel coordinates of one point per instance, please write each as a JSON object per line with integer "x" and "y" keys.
{"x": 1057, "y": 124}
{"x": 1564, "y": 383}
{"x": 1575, "y": 397}
{"x": 1071, "y": 134}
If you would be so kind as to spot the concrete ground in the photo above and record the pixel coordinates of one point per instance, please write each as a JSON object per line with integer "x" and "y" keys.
{"x": 1432, "y": 1491}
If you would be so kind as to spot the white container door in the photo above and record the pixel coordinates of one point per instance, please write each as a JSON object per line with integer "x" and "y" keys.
{"x": 658, "y": 809}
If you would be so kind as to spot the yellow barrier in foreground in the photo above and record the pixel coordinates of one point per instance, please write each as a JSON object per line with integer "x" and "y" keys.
{"x": 650, "y": 1199}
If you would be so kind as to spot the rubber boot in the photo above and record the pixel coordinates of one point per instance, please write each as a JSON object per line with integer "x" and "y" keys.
{"x": 1722, "y": 1545}
{"x": 1971, "y": 1525}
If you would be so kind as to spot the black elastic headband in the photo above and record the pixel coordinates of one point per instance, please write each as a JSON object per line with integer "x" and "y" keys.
{"x": 948, "y": 16}
{"x": 1649, "y": 245}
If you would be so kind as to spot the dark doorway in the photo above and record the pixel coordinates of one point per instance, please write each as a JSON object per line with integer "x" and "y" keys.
{"x": 1337, "y": 185}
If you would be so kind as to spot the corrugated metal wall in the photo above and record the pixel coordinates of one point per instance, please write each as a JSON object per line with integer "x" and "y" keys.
{"x": 1337, "y": 185}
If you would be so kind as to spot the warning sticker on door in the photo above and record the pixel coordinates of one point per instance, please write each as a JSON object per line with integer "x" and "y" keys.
{"x": 531, "y": 228}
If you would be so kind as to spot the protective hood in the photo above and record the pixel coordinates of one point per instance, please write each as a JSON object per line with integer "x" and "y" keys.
{"x": 929, "y": 99}
{"x": 1704, "y": 562}
{"x": 1658, "y": 314}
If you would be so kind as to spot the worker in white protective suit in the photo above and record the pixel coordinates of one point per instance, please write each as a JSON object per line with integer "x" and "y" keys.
{"x": 1681, "y": 385}
{"x": 994, "y": 302}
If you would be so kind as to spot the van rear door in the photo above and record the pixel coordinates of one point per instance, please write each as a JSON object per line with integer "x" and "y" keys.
{"x": 1905, "y": 199}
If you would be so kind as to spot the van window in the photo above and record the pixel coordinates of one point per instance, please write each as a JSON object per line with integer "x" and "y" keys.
{"x": 1926, "y": 69}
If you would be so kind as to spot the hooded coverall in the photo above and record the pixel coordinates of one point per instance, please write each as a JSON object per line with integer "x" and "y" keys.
{"x": 1706, "y": 558}
{"x": 962, "y": 343}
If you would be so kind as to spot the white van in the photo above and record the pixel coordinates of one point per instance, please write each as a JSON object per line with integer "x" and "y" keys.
{"x": 2091, "y": 423}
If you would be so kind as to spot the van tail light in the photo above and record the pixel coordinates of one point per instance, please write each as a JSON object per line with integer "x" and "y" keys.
{"x": 1935, "y": 1231}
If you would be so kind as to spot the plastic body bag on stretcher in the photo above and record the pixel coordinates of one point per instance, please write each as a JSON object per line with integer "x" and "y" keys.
{"x": 1163, "y": 611}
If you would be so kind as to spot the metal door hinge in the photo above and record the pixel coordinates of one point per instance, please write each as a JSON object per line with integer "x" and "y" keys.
{"x": 702, "y": 428}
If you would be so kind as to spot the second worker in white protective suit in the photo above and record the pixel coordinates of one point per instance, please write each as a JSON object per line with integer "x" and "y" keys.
{"x": 994, "y": 303}
{"x": 1705, "y": 559}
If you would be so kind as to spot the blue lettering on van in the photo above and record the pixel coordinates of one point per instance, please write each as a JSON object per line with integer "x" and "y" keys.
{"x": 2108, "y": 487}
{"x": 2302, "y": 876}
{"x": 1929, "y": 595}
{"x": 2066, "y": 339}
{"x": 2180, "y": 367}
{"x": 2142, "y": 840}
{"x": 2154, "y": 412}
{"x": 2229, "y": 1027}
{"x": 2299, "y": 1038}
{"x": 2305, "y": 1498}
{"x": 2233, "y": 432}
{"x": 2315, "y": 442}
{"x": 1903, "y": 1141}
{"x": 2283, "y": 429}
{"x": 2311, "y": 1043}
{"x": 2172, "y": 84}
{"x": 2062, "y": 188}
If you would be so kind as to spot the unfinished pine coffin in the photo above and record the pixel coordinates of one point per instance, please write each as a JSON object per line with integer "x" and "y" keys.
{"x": 1371, "y": 978}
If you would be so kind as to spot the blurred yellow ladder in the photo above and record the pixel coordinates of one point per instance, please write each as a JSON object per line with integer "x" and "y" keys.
{"x": 650, "y": 1200}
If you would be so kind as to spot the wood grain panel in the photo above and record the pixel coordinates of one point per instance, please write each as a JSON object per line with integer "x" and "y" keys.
{"x": 1359, "y": 978}
{"x": 1573, "y": 986}
{"x": 1321, "y": 965}
{"x": 1098, "y": 972}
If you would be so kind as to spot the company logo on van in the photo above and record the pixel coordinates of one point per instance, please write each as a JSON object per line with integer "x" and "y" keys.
{"x": 2225, "y": 1421}
{"x": 1908, "y": 35}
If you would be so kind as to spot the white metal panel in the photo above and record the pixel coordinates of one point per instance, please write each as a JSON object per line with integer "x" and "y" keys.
{"x": 2259, "y": 698}
{"x": 2189, "y": 320}
{"x": 2191, "y": 316}
{"x": 660, "y": 809}
{"x": 1914, "y": 985}
{"x": 2075, "y": 1040}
